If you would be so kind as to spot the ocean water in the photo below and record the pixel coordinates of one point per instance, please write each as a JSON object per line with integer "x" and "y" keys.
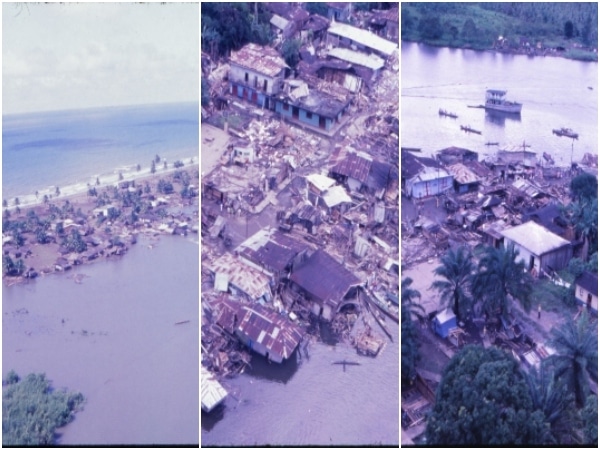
{"x": 69, "y": 149}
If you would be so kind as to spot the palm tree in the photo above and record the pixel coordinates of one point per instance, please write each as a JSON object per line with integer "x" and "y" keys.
{"x": 576, "y": 359}
{"x": 457, "y": 270}
{"x": 500, "y": 278}
{"x": 587, "y": 226}
{"x": 19, "y": 267}
{"x": 551, "y": 396}
{"x": 408, "y": 296}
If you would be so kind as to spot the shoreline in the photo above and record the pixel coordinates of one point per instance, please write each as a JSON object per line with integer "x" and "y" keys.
{"x": 77, "y": 228}
{"x": 129, "y": 173}
{"x": 581, "y": 58}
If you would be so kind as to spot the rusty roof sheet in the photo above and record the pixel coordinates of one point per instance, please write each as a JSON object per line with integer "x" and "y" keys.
{"x": 258, "y": 58}
{"x": 354, "y": 166}
{"x": 242, "y": 276}
{"x": 324, "y": 278}
{"x": 462, "y": 174}
{"x": 271, "y": 249}
{"x": 266, "y": 327}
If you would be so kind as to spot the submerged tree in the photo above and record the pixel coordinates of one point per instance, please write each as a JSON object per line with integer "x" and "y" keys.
{"x": 32, "y": 411}
{"x": 457, "y": 271}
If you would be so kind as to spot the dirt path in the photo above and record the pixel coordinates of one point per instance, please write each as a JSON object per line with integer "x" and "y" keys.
{"x": 214, "y": 143}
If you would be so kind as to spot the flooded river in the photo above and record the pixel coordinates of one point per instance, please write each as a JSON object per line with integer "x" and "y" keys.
{"x": 115, "y": 339}
{"x": 555, "y": 93}
{"x": 311, "y": 402}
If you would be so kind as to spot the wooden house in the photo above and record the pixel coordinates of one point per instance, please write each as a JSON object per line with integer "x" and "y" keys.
{"x": 325, "y": 282}
{"x": 423, "y": 177}
{"x": 539, "y": 248}
{"x": 586, "y": 290}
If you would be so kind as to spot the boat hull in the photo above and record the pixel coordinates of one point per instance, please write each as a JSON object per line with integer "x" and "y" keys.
{"x": 513, "y": 108}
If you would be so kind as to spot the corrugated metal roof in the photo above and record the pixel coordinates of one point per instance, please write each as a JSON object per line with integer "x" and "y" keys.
{"x": 372, "y": 62}
{"x": 527, "y": 187}
{"x": 335, "y": 196}
{"x": 276, "y": 333}
{"x": 354, "y": 166}
{"x": 462, "y": 174}
{"x": 242, "y": 276}
{"x": 279, "y": 22}
{"x": 258, "y": 58}
{"x": 321, "y": 182}
{"x": 431, "y": 173}
{"x": 445, "y": 315}
{"x": 324, "y": 278}
{"x": 363, "y": 37}
{"x": 535, "y": 238}
{"x": 212, "y": 391}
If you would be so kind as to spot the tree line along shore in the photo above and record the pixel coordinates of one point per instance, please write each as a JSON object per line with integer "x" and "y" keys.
{"x": 567, "y": 30}
{"x": 64, "y": 231}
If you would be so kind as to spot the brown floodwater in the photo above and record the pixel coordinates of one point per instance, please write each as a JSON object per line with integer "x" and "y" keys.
{"x": 115, "y": 339}
{"x": 310, "y": 401}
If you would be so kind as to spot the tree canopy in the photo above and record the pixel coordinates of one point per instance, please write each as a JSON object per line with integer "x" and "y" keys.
{"x": 456, "y": 272}
{"x": 31, "y": 411}
{"x": 229, "y": 26}
{"x": 500, "y": 279}
{"x": 576, "y": 359}
{"x": 584, "y": 187}
{"x": 483, "y": 399}
{"x": 410, "y": 347}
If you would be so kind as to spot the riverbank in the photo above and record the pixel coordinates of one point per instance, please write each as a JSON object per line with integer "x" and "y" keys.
{"x": 534, "y": 29}
{"x": 47, "y": 233}
{"x": 574, "y": 54}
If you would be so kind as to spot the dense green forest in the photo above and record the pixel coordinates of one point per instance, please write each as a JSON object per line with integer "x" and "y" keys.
{"x": 229, "y": 26}
{"x": 510, "y": 26}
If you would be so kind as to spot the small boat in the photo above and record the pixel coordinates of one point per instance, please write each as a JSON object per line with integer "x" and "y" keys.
{"x": 495, "y": 100}
{"x": 468, "y": 129}
{"x": 443, "y": 112}
{"x": 491, "y": 143}
{"x": 566, "y": 132}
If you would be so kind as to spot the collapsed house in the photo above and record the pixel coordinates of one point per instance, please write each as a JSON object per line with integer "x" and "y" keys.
{"x": 213, "y": 393}
{"x": 233, "y": 275}
{"x": 386, "y": 23}
{"x": 261, "y": 329}
{"x": 453, "y": 155}
{"x": 274, "y": 251}
{"x": 325, "y": 282}
{"x": 311, "y": 107}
